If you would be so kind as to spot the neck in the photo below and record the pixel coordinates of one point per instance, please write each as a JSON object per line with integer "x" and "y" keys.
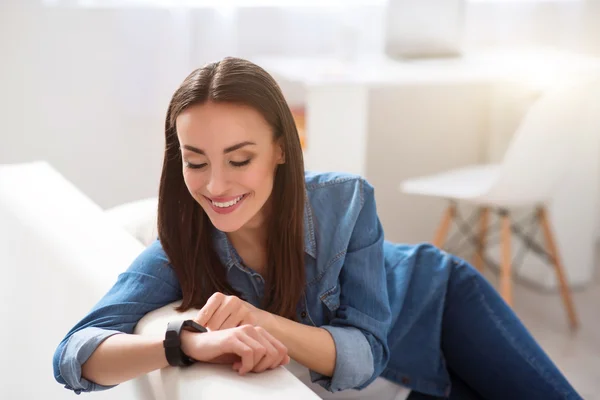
{"x": 254, "y": 232}
{"x": 250, "y": 242}
{"x": 250, "y": 236}
{"x": 251, "y": 245}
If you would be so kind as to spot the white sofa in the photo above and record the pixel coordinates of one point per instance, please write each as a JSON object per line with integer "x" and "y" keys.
{"x": 59, "y": 253}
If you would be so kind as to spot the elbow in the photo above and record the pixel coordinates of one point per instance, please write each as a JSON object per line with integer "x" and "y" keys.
{"x": 360, "y": 358}
{"x": 91, "y": 373}
{"x": 380, "y": 350}
{"x": 380, "y": 358}
{"x": 56, "y": 363}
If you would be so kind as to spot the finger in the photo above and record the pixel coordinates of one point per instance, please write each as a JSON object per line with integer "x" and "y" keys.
{"x": 272, "y": 356}
{"x": 280, "y": 348}
{"x": 246, "y": 354}
{"x": 229, "y": 305}
{"x": 251, "y": 338}
{"x": 232, "y": 321}
{"x": 211, "y": 306}
{"x": 285, "y": 361}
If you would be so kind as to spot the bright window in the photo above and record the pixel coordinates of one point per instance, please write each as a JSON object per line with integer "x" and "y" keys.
{"x": 211, "y": 3}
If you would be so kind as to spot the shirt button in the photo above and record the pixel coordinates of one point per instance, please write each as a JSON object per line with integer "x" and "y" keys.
{"x": 258, "y": 278}
{"x": 405, "y": 380}
{"x": 303, "y": 314}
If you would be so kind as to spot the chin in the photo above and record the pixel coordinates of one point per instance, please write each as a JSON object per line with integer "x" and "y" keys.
{"x": 227, "y": 224}
{"x": 227, "y": 227}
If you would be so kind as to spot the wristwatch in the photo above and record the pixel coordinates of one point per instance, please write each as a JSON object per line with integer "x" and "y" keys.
{"x": 172, "y": 343}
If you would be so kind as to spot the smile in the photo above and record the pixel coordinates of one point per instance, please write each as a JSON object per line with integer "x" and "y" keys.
{"x": 229, "y": 203}
{"x": 226, "y": 207}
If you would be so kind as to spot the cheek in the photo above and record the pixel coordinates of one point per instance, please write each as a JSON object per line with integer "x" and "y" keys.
{"x": 194, "y": 182}
{"x": 261, "y": 179}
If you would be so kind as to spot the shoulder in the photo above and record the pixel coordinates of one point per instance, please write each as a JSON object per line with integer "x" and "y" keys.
{"x": 337, "y": 188}
{"x": 336, "y": 201}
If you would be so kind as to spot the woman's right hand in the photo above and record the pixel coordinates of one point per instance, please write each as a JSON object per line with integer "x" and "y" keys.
{"x": 247, "y": 347}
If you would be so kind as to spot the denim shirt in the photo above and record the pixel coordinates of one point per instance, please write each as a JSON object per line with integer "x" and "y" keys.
{"x": 381, "y": 302}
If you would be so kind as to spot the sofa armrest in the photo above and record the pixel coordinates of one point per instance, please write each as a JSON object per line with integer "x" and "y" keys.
{"x": 208, "y": 381}
{"x": 58, "y": 256}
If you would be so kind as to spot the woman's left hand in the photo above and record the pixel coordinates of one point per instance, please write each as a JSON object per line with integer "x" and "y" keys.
{"x": 223, "y": 312}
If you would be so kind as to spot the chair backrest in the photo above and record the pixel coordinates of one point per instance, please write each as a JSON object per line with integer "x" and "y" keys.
{"x": 559, "y": 123}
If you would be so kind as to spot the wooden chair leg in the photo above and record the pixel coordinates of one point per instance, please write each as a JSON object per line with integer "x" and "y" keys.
{"x": 558, "y": 267}
{"x": 442, "y": 231}
{"x": 481, "y": 238}
{"x": 506, "y": 262}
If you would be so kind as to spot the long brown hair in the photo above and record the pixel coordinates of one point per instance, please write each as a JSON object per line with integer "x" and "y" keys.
{"x": 184, "y": 228}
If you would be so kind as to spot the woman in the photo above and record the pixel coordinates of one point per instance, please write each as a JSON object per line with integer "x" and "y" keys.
{"x": 286, "y": 264}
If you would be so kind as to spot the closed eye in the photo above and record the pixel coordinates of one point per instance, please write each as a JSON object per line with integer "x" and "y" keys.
{"x": 195, "y": 166}
{"x": 241, "y": 163}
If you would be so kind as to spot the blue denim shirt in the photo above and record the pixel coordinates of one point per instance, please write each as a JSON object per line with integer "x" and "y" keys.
{"x": 381, "y": 302}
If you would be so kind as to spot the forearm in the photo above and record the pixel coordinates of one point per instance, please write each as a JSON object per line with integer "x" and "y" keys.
{"x": 123, "y": 357}
{"x": 310, "y": 346}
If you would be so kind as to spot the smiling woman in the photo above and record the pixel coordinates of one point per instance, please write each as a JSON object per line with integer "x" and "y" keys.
{"x": 284, "y": 264}
{"x": 227, "y": 173}
{"x": 230, "y": 128}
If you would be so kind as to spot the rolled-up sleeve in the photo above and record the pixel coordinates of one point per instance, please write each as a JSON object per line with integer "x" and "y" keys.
{"x": 148, "y": 284}
{"x": 351, "y": 345}
{"x": 362, "y": 321}
{"x": 74, "y": 352}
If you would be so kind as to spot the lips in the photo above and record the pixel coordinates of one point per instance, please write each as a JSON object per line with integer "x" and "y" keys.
{"x": 226, "y": 205}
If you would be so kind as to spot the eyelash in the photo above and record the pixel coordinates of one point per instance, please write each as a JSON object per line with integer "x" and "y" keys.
{"x": 194, "y": 166}
{"x": 233, "y": 163}
{"x": 240, "y": 164}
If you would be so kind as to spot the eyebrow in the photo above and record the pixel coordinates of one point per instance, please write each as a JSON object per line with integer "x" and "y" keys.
{"x": 227, "y": 150}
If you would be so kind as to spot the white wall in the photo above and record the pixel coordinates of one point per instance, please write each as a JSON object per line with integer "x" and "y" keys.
{"x": 87, "y": 90}
{"x": 573, "y": 25}
{"x": 424, "y": 116}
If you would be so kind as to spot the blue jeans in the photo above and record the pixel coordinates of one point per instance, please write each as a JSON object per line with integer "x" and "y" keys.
{"x": 488, "y": 351}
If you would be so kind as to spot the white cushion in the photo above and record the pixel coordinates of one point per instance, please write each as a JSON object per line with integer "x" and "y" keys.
{"x": 139, "y": 218}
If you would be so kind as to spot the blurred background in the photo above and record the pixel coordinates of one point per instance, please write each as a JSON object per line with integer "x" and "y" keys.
{"x": 389, "y": 89}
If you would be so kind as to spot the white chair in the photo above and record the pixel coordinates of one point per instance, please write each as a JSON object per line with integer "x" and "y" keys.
{"x": 529, "y": 174}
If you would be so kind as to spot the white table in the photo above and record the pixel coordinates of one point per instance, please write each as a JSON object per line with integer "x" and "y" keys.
{"x": 348, "y": 129}
{"x": 330, "y": 81}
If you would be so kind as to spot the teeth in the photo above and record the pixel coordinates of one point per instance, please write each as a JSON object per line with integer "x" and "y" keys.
{"x": 227, "y": 204}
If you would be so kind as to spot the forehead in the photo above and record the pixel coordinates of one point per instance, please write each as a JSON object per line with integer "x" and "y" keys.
{"x": 221, "y": 124}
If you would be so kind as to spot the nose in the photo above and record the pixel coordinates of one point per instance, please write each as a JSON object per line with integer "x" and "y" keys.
{"x": 218, "y": 184}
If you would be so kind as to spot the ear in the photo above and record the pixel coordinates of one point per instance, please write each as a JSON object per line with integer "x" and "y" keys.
{"x": 280, "y": 151}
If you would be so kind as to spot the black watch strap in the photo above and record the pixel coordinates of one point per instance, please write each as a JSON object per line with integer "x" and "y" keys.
{"x": 172, "y": 343}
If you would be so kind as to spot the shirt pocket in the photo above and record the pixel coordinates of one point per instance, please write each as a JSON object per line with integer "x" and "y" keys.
{"x": 331, "y": 300}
